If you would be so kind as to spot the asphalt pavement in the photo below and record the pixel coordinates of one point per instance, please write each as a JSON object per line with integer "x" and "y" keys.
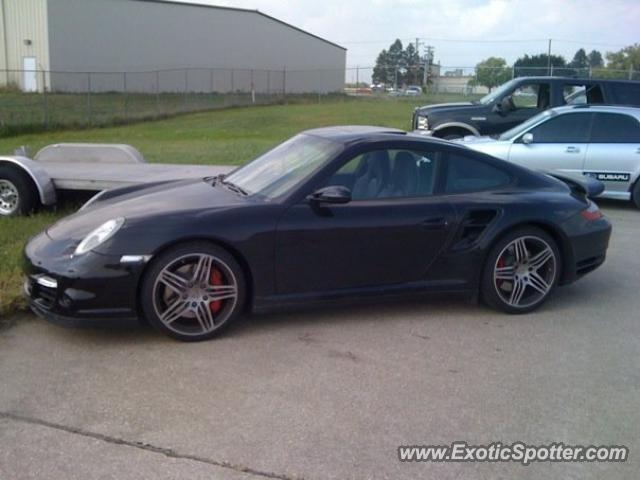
{"x": 332, "y": 393}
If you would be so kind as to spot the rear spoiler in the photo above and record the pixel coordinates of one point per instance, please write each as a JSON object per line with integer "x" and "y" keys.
{"x": 580, "y": 185}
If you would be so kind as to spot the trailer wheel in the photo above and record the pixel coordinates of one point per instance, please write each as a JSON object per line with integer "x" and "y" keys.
{"x": 17, "y": 193}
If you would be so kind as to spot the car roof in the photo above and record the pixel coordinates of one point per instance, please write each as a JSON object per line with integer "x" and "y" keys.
{"x": 366, "y": 133}
{"x": 573, "y": 79}
{"x": 348, "y": 133}
{"x": 634, "y": 111}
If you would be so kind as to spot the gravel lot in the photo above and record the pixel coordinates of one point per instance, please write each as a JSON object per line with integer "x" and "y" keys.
{"x": 332, "y": 393}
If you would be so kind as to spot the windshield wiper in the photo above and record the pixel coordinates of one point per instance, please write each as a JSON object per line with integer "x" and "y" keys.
{"x": 233, "y": 187}
{"x": 215, "y": 179}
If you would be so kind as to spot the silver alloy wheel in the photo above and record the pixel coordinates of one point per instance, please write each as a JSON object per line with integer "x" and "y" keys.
{"x": 195, "y": 294}
{"x": 9, "y": 197}
{"x": 524, "y": 271}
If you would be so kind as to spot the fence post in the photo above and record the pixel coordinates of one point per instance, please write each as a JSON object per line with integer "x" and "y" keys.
{"x": 89, "y": 99}
{"x": 126, "y": 96}
{"x": 631, "y": 71}
{"x": 157, "y": 93}
{"x": 211, "y": 85}
{"x": 186, "y": 86}
{"x": 253, "y": 89}
{"x": 284, "y": 82}
{"x": 232, "y": 78}
{"x": 45, "y": 100}
{"x": 268, "y": 82}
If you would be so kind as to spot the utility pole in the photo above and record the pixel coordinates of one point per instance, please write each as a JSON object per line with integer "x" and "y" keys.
{"x": 428, "y": 59}
{"x": 549, "y": 59}
{"x": 417, "y": 67}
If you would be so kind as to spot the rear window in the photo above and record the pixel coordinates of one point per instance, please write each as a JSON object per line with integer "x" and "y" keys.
{"x": 626, "y": 93}
{"x": 465, "y": 174}
{"x": 615, "y": 128}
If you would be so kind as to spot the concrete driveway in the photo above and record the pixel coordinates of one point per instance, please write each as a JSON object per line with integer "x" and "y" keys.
{"x": 331, "y": 394}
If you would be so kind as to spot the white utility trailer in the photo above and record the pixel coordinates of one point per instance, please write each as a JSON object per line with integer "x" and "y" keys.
{"x": 26, "y": 184}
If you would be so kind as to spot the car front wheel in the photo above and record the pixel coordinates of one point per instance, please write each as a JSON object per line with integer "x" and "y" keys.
{"x": 192, "y": 291}
{"x": 521, "y": 271}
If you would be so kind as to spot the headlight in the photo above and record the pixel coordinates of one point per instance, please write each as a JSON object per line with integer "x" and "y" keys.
{"x": 423, "y": 123}
{"x": 100, "y": 235}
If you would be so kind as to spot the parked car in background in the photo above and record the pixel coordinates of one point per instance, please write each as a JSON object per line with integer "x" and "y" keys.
{"x": 331, "y": 214}
{"x": 413, "y": 91}
{"x": 599, "y": 141}
{"x": 516, "y": 101}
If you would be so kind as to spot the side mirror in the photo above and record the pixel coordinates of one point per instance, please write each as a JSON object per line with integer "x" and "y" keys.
{"x": 505, "y": 104}
{"x": 527, "y": 138}
{"x": 334, "y": 194}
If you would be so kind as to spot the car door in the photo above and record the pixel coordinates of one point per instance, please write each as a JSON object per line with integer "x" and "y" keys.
{"x": 525, "y": 101}
{"x": 613, "y": 154}
{"x": 559, "y": 143}
{"x": 389, "y": 233}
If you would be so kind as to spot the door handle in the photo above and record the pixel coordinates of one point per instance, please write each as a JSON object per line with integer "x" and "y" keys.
{"x": 434, "y": 223}
{"x": 572, "y": 150}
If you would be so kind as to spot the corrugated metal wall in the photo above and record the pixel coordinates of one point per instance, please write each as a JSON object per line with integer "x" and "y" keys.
{"x": 139, "y": 36}
{"x": 23, "y": 33}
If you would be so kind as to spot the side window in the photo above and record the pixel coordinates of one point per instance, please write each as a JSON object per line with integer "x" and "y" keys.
{"x": 465, "y": 174}
{"x": 566, "y": 128}
{"x": 626, "y": 93}
{"x": 579, "y": 94}
{"x": 389, "y": 174}
{"x": 535, "y": 95}
{"x": 615, "y": 128}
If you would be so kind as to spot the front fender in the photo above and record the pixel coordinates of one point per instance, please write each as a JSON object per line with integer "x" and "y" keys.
{"x": 41, "y": 179}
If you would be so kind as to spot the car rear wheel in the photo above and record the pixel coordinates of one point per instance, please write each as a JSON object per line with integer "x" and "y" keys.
{"x": 521, "y": 271}
{"x": 192, "y": 291}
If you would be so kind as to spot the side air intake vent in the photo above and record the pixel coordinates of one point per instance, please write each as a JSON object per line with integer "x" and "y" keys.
{"x": 473, "y": 225}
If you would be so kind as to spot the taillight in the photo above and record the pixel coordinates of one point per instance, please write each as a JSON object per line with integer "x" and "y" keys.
{"x": 591, "y": 213}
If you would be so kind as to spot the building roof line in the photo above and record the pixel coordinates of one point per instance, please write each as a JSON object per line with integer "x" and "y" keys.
{"x": 246, "y": 10}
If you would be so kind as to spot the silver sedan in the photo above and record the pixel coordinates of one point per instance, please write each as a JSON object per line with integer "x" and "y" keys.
{"x": 600, "y": 141}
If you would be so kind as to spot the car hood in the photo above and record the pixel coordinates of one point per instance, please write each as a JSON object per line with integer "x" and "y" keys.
{"x": 444, "y": 106}
{"x": 473, "y": 140}
{"x": 145, "y": 202}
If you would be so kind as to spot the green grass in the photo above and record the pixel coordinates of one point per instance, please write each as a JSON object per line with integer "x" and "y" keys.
{"x": 227, "y": 137}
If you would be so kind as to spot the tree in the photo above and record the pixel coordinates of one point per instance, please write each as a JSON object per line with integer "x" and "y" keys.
{"x": 537, "y": 64}
{"x": 398, "y": 63}
{"x": 626, "y": 59}
{"x": 492, "y": 72}
{"x": 595, "y": 59}
{"x": 580, "y": 60}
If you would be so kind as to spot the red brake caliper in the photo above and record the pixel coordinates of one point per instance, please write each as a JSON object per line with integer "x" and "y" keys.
{"x": 216, "y": 279}
{"x": 500, "y": 265}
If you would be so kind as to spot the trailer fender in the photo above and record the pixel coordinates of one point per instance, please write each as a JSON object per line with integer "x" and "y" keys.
{"x": 42, "y": 181}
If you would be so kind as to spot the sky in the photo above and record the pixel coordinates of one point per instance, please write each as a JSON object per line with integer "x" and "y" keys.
{"x": 463, "y": 32}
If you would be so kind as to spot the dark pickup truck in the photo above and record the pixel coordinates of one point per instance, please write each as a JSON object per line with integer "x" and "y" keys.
{"x": 517, "y": 100}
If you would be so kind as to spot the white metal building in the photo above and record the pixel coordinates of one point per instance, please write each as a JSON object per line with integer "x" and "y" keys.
{"x": 229, "y": 49}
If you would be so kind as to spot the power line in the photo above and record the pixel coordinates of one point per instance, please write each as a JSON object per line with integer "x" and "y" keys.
{"x": 479, "y": 40}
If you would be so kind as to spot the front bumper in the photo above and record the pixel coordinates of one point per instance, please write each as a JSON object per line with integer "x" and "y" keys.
{"x": 62, "y": 288}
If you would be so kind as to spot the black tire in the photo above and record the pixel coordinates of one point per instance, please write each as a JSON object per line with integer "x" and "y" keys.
{"x": 635, "y": 194}
{"x": 189, "y": 327}
{"x": 495, "y": 290}
{"x": 13, "y": 179}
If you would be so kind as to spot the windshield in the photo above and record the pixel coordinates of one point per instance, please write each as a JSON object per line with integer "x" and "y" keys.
{"x": 283, "y": 168}
{"x": 498, "y": 92}
{"x": 523, "y": 127}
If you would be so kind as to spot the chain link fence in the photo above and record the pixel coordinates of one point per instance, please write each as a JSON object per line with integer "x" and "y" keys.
{"x": 462, "y": 80}
{"x": 37, "y": 100}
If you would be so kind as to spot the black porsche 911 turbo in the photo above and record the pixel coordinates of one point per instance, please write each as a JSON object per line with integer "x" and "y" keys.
{"x": 331, "y": 214}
